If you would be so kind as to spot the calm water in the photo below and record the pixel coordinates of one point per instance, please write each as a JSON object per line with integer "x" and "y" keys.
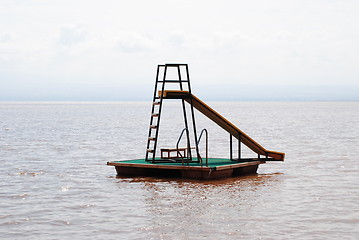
{"x": 54, "y": 182}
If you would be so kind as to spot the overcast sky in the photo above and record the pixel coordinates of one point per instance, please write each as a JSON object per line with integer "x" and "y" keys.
{"x": 105, "y": 49}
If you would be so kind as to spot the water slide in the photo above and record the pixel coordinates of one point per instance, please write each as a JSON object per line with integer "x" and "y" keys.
{"x": 223, "y": 123}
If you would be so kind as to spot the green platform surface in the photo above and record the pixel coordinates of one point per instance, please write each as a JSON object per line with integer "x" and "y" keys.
{"x": 212, "y": 162}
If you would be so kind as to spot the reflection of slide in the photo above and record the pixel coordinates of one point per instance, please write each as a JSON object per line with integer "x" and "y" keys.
{"x": 223, "y": 123}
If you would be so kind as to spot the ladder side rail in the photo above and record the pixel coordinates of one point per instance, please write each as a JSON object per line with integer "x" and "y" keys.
{"x": 159, "y": 114}
{"x": 199, "y": 140}
{"x": 179, "y": 140}
{"x": 152, "y": 111}
{"x": 180, "y": 137}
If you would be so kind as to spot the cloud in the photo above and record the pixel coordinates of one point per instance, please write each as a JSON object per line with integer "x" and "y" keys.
{"x": 73, "y": 34}
{"x": 258, "y": 42}
{"x": 133, "y": 42}
{"x": 228, "y": 39}
{"x": 177, "y": 39}
{"x": 6, "y": 37}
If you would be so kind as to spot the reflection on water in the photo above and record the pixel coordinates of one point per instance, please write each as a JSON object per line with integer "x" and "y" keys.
{"x": 54, "y": 182}
{"x": 214, "y": 207}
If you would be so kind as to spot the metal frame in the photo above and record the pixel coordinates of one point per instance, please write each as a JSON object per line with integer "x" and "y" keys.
{"x": 231, "y": 148}
{"x": 158, "y": 101}
{"x": 199, "y": 139}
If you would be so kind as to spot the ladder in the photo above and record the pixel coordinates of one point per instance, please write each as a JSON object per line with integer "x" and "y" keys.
{"x": 182, "y": 78}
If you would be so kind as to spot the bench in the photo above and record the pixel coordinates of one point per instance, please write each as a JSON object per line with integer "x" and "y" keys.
{"x": 179, "y": 152}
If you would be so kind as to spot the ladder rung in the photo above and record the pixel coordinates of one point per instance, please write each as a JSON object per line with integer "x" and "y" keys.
{"x": 174, "y": 64}
{"x": 153, "y": 126}
{"x": 173, "y": 81}
{"x": 156, "y": 103}
{"x": 150, "y": 150}
{"x": 151, "y": 139}
{"x": 155, "y": 115}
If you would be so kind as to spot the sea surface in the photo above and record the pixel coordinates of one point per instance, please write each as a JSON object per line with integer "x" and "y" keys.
{"x": 55, "y": 184}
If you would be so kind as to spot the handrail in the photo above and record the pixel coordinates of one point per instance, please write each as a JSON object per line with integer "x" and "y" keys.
{"x": 180, "y": 137}
{"x": 199, "y": 139}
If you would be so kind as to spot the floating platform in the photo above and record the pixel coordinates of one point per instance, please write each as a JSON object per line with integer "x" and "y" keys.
{"x": 217, "y": 168}
{"x": 185, "y": 160}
